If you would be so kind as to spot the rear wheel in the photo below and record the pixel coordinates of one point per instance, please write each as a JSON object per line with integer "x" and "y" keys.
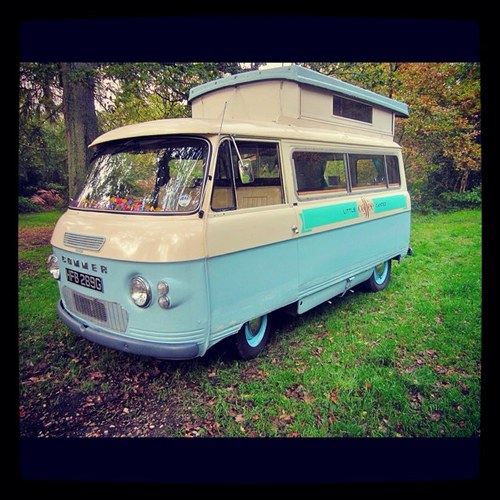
{"x": 252, "y": 337}
{"x": 379, "y": 278}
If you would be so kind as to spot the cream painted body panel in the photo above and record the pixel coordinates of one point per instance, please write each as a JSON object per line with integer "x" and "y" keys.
{"x": 303, "y": 130}
{"x": 238, "y": 230}
{"x": 134, "y": 237}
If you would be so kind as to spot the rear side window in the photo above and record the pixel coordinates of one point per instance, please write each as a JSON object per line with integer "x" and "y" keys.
{"x": 367, "y": 171}
{"x": 318, "y": 172}
{"x": 393, "y": 171}
{"x": 347, "y": 108}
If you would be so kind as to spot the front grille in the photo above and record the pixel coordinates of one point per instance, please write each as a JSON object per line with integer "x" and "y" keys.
{"x": 90, "y": 307}
{"x": 108, "y": 314}
{"x": 84, "y": 241}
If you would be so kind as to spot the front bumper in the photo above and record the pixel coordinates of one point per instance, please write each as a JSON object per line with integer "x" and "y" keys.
{"x": 114, "y": 341}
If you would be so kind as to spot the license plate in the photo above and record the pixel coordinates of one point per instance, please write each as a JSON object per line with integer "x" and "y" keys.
{"x": 85, "y": 280}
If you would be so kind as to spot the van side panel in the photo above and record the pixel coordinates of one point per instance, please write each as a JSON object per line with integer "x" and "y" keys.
{"x": 333, "y": 256}
{"x": 249, "y": 283}
{"x": 252, "y": 265}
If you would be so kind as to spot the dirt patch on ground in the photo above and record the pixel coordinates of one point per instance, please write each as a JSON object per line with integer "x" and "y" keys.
{"x": 33, "y": 237}
{"x": 26, "y": 266}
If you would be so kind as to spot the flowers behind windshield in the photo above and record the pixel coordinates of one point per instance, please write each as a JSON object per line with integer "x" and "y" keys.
{"x": 117, "y": 203}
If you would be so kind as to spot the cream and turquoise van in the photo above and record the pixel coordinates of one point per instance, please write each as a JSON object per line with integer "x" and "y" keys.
{"x": 284, "y": 189}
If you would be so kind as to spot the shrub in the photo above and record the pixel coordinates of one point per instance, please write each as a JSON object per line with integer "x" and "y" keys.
{"x": 469, "y": 199}
{"x": 25, "y": 205}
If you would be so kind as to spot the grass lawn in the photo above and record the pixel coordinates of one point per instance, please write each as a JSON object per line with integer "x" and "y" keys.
{"x": 402, "y": 362}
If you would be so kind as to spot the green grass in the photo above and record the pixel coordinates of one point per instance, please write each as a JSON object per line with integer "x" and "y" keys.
{"x": 39, "y": 219}
{"x": 402, "y": 362}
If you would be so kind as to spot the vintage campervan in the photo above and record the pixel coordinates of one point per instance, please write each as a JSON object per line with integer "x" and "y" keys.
{"x": 283, "y": 190}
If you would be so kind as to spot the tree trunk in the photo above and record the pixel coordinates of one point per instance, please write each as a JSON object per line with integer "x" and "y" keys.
{"x": 80, "y": 120}
{"x": 464, "y": 181}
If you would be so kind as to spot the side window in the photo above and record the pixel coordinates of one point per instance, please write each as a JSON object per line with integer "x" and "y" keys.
{"x": 264, "y": 159}
{"x": 318, "y": 172}
{"x": 223, "y": 197}
{"x": 266, "y": 188}
{"x": 393, "y": 171}
{"x": 348, "y": 108}
{"x": 367, "y": 171}
{"x": 230, "y": 193}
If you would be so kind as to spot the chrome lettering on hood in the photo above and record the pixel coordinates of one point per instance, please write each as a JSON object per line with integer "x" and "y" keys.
{"x": 82, "y": 264}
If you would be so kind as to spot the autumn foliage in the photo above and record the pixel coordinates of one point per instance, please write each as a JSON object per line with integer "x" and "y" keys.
{"x": 441, "y": 139}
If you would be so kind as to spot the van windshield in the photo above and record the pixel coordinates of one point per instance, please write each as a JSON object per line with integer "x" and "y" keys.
{"x": 146, "y": 175}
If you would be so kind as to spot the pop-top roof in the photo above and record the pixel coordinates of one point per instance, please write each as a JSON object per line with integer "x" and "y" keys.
{"x": 303, "y": 75}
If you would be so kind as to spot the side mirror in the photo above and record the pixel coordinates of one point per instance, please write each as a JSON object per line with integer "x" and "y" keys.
{"x": 246, "y": 172}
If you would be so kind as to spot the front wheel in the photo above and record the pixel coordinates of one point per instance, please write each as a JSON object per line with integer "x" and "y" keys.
{"x": 252, "y": 337}
{"x": 379, "y": 278}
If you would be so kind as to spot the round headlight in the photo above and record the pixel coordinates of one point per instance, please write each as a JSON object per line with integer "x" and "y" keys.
{"x": 53, "y": 267}
{"x": 140, "y": 291}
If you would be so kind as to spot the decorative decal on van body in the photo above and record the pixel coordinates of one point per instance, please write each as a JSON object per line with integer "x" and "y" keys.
{"x": 365, "y": 207}
{"x": 387, "y": 203}
{"x": 341, "y": 212}
{"x": 322, "y": 216}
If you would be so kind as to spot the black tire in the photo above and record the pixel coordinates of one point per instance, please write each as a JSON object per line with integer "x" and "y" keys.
{"x": 379, "y": 279}
{"x": 252, "y": 337}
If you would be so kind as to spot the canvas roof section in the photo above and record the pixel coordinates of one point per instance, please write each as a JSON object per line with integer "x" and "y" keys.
{"x": 301, "y": 75}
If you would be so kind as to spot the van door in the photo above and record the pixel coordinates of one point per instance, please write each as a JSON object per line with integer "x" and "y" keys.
{"x": 251, "y": 236}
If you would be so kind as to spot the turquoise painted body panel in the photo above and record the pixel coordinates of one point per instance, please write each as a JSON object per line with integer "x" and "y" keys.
{"x": 186, "y": 321}
{"x": 328, "y": 257}
{"x": 212, "y": 298}
{"x": 246, "y": 284}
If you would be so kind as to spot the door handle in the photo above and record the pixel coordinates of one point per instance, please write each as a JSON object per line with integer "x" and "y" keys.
{"x": 295, "y": 229}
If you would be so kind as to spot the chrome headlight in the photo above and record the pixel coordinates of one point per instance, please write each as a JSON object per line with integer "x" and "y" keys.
{"x": 53, "y": 267}
{"x": 140, "y": 291}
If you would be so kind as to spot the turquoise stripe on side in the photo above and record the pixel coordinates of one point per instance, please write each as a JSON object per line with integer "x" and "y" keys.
{"x": 321, "y": 216}
{"x": 387, "y": 203}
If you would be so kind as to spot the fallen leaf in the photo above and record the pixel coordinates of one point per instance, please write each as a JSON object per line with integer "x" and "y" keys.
{"x": 126, "y": 410}
{"x": 239, "y": 418}
{"x": 95, "y": 375}
{"x": 331, "y": 418}
{"x": 322, "y": 334}
{"x": 308, "y": 398}
{"x": 293, "y": 434}
{"x": 334, "y": 396}
{"x": 286, "y": 418}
